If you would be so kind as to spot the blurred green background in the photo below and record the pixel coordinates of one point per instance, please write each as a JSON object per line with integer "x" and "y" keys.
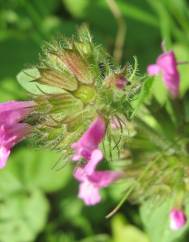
{"x": 39, "y": 203}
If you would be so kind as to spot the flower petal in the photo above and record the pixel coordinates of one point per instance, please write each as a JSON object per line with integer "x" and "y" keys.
{"x": 96, "y": 157}
{"x": 168, "y": 65}
{"x": 105, "y": 178}
{"x": 89, "y": 193}
{"x": 13, "y": 112}
{"x": 90, "y": 140}
{"x": 153, "y": 69}
{"x": 4, "y": 154}
{"x": 80, "y": 174}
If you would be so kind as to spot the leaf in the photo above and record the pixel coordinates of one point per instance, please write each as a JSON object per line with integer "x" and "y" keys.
{"x": 10, "y": 90}
{"x": 125, "y": 232}
{"x": 137, "y": 13}
{"x": 97, "y": 238}
{"x": 76, "y": 7}
{"x": 159, "y": 90}
{"x": 156, "y": 221}
{"x": 34, "y": 169}
{"x": 22, "y": 216}
{"x": 27, "y": 79}
{"x": 182, "y": 55}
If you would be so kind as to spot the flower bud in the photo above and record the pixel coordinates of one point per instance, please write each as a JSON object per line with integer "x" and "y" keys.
{"x": 177, "y": 219}
{"x": 116, "y": 80}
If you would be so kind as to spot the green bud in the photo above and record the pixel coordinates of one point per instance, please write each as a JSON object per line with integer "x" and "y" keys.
{"x": 85, "y": 93}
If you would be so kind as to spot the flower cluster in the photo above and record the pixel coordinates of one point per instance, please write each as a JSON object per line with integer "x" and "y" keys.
{"x": 79, "y": 101}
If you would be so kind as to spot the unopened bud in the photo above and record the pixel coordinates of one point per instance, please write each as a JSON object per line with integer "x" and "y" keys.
{"x": 117, "y": 80}
{"x": 177, "y": 219}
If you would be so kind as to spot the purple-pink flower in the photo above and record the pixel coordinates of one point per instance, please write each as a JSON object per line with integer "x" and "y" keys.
{"x": 12, "y": 130}
{"x": 177, "y": 219}
{"x": 167, "y": 65}
{"x": 87, "y": 146}
{"x": 121, "y": 82}
{"x": 90, "y": 185}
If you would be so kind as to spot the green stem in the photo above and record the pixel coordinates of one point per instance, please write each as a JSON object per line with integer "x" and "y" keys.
{"x": 121, "y": 29}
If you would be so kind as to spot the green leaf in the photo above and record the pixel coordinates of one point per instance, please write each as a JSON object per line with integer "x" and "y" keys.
{"x": 135, "y": 12}
{"x": 27, "y": 79}
{"x": 22, "y": 216}
{"x": 182, "y": 55}
{"x": 97, "y": 238}
{"x": 34, "y": 169}
{"x": 10, "y": 90}
{"x": 159, "y": 90}
{"x": 125, "y": 232}
{"x": 76, "y": 7}
{"x": 156, "y": 221}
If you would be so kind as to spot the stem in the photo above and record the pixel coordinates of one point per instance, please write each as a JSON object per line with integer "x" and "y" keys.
{"x": 182, "y": 62}
{"x": 138, "y": 180}
{"x": 128, "y": 192}
{"x": 121, "y": 30}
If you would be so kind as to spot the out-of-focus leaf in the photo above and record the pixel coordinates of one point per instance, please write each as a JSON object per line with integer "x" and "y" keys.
{"x": 22, "y": 216}
{"x": 10, "y": 90}
{"x": 165, "y": 21}
{"x": 125, "y": 232}
{"x": 156, "y": 222}
{"x": 77, "y": 7}
{"x": 15, "y": 54}
{"x": 34, "y": 168}
{"x": 97, "y": 238}
{"x": 134, "y": 11}
{"x": 71, "y": 210}
{"x": 182, "y": 54}
{"x": 159, "y": 89}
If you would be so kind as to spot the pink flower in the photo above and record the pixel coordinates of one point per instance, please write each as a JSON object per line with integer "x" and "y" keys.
{"x": 177, "y": 219}
{"x": 167, "y": 65}
{"x": 116, "y": 80}
{"x": 90, "y": 185}
{"x": 13, "y": 112}
{"x": 121, "y": 82}
{"x": 87, "y": 146}
{"x": 11, "y": 130}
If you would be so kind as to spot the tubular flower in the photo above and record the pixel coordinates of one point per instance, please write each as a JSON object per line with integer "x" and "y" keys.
{"x": 87, "y": 146}
{"x": 90, "y": 185}
{"x": 167, "y": 65}
{"x": 11, "y": 130}
{"x": 177, "y": 219}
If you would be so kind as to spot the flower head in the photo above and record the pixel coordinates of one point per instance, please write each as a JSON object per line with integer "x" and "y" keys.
{"x": 177, "y": 219}
{"x": 90, "y": 140}
{"x": 11, "y": 130}
{"x": 90, "y": 185}
{"x": 167, "y": 65}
